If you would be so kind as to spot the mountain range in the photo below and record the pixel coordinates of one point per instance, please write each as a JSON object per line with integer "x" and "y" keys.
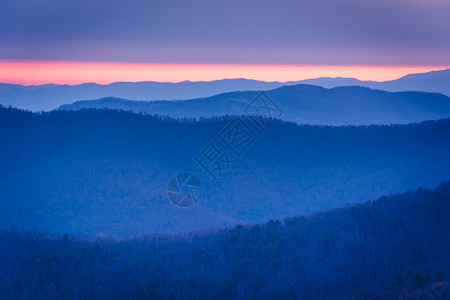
{"x": 433, "y": 82}
{"x": 50, "y": 96}
{"x": 303, "y": 104}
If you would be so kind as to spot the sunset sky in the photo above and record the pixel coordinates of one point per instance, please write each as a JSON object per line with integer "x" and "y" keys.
{"x": 52, "y": 41}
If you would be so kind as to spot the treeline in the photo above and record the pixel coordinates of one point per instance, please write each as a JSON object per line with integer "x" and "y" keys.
{"x": 392, "y": 248}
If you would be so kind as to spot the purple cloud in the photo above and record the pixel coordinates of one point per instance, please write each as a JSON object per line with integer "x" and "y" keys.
{"x": 251, "y": 31}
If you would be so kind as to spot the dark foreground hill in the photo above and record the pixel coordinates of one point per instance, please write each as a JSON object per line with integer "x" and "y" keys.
{"x": 303, "y": 104}
{"x": 397, "y": 247}
{"x": 106, "y": 172}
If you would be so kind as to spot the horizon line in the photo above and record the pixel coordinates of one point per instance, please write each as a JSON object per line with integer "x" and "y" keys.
{"x": 39, "y": 72}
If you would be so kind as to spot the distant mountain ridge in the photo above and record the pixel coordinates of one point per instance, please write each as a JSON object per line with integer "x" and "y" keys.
{"x": 50, "y": 96}
{"x": 433, "y": 82}
{"x": 304, "y": 104}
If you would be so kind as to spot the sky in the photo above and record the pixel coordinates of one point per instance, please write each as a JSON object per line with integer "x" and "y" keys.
{"x": 44, "y": 41}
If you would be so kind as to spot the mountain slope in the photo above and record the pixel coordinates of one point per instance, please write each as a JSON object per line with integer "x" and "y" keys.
{"x": 92, "y": 172}
{"x": 304, "y": 104}
{"x": 397, "y": 247}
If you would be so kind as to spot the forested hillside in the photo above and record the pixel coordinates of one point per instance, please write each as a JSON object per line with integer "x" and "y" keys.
{"x": 106, "y": 172}
{"x": 397, "y": 247}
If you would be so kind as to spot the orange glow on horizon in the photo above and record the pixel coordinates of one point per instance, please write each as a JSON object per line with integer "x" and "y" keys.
{"x": 65, "y": 72}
